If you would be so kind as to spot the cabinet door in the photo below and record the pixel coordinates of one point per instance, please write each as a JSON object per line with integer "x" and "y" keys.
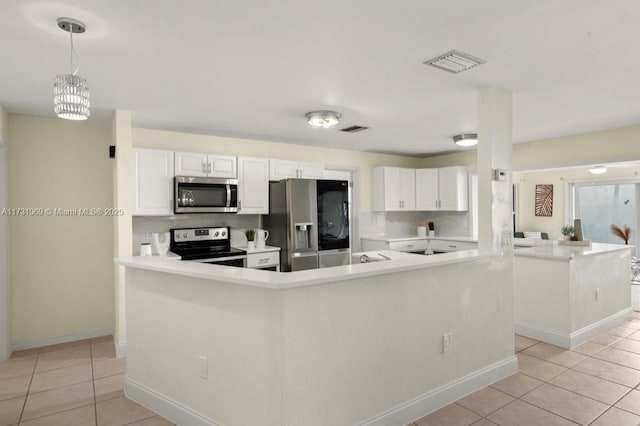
{"x": 408, "y": 189}
{"x": 426, "y": 189}
{"x": 222, "y": 166}
{"x": 282, "y": 169}
{"x": 453, "y": 186}
{"x": 253, "y": 185}
{"x": 190, "y": 164}
{"x": 391, "y": 189}
{"x": 152, "y": 176}
{"x": 311, "y": 170}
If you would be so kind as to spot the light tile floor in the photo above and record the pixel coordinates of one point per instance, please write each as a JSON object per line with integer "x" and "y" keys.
{"x": 70, "y": 384}
{"x": 596, "y": 383}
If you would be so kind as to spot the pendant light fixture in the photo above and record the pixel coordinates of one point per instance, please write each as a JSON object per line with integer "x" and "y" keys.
{"x": 466, "y": 139}
{"x": 70, "y": 91}
{"x": 323, "y": 118}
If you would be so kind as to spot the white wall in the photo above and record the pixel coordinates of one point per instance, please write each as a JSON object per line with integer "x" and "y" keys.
{"x": 61, "y": 267}
{"x": 5, "y": 317}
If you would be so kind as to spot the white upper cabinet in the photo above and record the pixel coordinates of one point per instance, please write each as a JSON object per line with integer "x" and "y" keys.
{"x": 152, "y": 177}
{"x": 284, "y": 169}
{"x": 253, "y": 185}
{"x": 394, "y": 189}
{"x": 197, "y": 164}
{"x": 446, "y": 189}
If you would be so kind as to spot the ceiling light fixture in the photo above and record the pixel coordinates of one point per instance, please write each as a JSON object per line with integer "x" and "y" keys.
{"x": 323, "y": 118}
{"x": 70, "y": 91}
{"x": 598, "y": 170}
{"x": 466, "y": 139}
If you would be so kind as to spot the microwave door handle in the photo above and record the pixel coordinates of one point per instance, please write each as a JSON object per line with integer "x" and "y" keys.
{"x": 228, "y": 195}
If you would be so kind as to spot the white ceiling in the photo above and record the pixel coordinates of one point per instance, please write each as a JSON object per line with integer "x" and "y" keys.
{"x": 253, "y": 68}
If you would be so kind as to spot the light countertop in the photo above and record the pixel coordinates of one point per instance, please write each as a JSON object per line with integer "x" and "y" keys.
{"x": 265, "y": 249}
{"x": 391, "y": 239}
{"x": 282, "y": 280}
{"x": 561, "y": 252}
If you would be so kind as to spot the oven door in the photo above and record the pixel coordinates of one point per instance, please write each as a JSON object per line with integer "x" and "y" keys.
{"x": 205, "y": 195}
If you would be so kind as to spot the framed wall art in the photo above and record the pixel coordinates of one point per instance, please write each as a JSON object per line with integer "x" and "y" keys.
{"x": 544, "y": 200}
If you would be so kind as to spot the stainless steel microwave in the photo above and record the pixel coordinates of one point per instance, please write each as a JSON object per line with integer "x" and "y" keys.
{"x": 205, "y": 195}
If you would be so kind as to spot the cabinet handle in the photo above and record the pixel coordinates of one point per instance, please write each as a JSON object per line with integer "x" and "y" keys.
{"x": 263, "y": 261}
{"x": 239, "y": 205}
{"x": 209, "y": 169}
{"x": 203, "y": 167}
{"x": 452, "y": 246}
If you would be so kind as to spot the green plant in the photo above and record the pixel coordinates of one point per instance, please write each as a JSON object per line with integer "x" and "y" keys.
{"x": 567, "y": 230}
{"x": 432, "y": 226}
{"x": 250, "y": 234}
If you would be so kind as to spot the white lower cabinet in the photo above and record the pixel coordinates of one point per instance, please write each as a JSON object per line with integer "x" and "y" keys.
{"x": 264, "y": 260}
{"x": 451, "y": 245}
{"x": 253, "y": 185}
{"x": 152, "y": 178}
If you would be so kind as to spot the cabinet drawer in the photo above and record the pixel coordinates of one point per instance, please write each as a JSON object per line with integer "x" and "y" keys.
{"x": 409, "y": 245}
{"x": 261, "y": 260}
{"x": 449, "y": 245}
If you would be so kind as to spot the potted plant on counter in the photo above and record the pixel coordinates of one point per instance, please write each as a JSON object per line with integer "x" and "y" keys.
{"x": 251, "y": 235}
{"x": 432, "y": 229}
{"x": 623, "y": 233}
{"x": 567, "y": 232}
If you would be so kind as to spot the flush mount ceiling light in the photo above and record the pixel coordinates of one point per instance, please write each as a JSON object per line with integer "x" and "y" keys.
{"x": 466, "y": 139}
{"x": 70, "y": 91}
{"x": 598, "y": 170}
{"x": 323, "y": 118}
{"x": 455, "y": 61}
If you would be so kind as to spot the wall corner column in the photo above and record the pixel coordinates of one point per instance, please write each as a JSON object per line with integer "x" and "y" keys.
{"x": 5, "y": 293}
{"x": 121, "y": 133}
{"x": 495, "y": 205}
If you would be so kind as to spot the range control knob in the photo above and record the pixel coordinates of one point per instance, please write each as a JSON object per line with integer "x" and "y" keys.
{"x": 184, "y": 235}
{"x": 223, "y": 233}
{"x": 216, "y": 234}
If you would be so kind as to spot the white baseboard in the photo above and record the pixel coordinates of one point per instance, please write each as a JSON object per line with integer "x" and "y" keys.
{"x": 400, "y": 415}
{"x": 46, "y": 341}
{"x": 121, "y": 350}
{"x": 163, "y": 405}
{"x": 572, "y": 340}
{"x": 444, "y": 395}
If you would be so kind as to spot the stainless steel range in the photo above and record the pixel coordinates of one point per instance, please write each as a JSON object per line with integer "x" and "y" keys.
{"x": 207, "y": 245}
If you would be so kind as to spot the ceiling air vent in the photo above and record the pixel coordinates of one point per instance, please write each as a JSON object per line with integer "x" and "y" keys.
{"x": 455, "y": 61}
{"x": 353, "y": 129}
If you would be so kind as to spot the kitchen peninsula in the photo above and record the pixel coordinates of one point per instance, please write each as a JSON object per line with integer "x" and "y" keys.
{"x": 353, "y": 344}
{"x": 565, "y": 295}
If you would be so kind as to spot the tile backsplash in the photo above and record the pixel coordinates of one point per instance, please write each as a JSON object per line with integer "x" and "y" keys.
{"x": 402, "y": 224}
{"x": 143, "y": 226}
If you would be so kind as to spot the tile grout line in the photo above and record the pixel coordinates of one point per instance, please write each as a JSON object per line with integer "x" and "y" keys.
{"x": 93, "y": 383}
{"x": 26, "y": 397}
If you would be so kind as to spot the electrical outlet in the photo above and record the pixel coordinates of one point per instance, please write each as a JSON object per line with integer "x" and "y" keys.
{"x": 597, "y": 294}
{"x": 446, "y": 342}
{"x": 204, "y": 367}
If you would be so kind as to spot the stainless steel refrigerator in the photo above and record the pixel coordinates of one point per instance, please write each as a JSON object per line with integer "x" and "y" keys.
{"x": 293, "y": 223}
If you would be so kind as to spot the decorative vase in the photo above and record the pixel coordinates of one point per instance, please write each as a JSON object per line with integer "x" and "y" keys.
{"x": 566, "y": 237}
{"x": 577, "y": 233}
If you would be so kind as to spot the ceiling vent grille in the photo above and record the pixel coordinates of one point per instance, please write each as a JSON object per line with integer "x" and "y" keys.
{"x": 353, "y": 129}
{"x": 455, "y": 61}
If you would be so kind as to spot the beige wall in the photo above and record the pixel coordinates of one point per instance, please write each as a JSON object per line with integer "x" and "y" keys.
{"x": 526, "y": 219}
{"x": 61, "y": 268}
{"x": 608, "y": 146}
{"x": 146, "y": 138}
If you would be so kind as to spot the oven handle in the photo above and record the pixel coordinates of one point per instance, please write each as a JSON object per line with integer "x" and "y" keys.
{"x": 219, "y": 259}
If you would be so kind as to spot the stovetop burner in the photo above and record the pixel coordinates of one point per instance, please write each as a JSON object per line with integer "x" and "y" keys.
{"x": 196, "y": 253}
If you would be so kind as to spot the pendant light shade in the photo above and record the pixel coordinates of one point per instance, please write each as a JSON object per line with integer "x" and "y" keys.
{"x": 70, "y": 91}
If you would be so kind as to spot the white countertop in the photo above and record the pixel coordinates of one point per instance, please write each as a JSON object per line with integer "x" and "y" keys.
{"x": 264, "y": 249}
{"x": 282, "y": 280}
{"x": 391, "y": 239}
{"x": 561, "y": 252}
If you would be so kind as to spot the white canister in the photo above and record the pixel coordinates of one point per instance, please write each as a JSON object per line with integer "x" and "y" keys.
{"x": 422, "y": 231}
{"x": 145, "y": 249}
